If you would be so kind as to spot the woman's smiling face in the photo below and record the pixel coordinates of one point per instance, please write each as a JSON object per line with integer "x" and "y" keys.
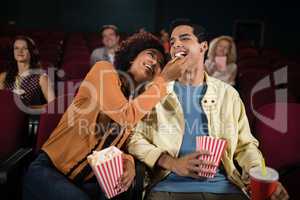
{"x": 147, "y": 63}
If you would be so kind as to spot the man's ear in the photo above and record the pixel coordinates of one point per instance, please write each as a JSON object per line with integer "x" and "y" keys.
{"x": 204, "y": 46}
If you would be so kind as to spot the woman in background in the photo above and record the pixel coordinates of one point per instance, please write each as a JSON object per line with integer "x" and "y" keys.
{"x": 23, "y": 76}
{"x": 221, "y": 62}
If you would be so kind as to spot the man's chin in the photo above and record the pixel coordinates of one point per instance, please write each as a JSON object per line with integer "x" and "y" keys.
{"x": 110, "y": 46}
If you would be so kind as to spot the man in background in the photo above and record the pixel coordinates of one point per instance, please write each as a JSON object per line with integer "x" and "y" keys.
{"x": 110, "y": 39}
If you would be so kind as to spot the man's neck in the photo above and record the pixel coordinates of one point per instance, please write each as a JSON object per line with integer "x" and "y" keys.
{"x": 194, "y": 76}
{"x": 112, "y": 49}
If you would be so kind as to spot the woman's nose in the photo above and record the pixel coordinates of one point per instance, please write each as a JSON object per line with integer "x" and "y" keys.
{"x": 153, "y": 61}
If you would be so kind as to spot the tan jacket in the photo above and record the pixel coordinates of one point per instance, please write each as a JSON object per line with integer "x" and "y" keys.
{"x": 162, "y": 131}
{"x": 98, "y": 100}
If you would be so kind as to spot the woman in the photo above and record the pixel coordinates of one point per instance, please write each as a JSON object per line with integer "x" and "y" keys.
{"x": 97, "y": 116}
{"x": 221, "y": 59}
{"x": 23, "y": 76}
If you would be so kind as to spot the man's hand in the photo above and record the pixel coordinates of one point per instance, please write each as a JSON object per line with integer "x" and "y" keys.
{"x": 126, "y": 179}
{"x": 280, "y": 193}
{"x": 190, "y": 165}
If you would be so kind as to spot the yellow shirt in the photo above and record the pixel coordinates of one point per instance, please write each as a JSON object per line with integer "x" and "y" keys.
{"x": 163, "y": 129}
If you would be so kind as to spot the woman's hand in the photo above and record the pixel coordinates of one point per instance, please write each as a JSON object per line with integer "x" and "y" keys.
{"x": 175, "y": 68}
{"x": 220, "y": 68}
{"x": 127, "y": 178}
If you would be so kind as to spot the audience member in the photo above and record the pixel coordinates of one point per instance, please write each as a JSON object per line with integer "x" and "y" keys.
{"x": 221, "y": 62}
{"x": 24, "y": 75}
{"x": 110, "y": 38}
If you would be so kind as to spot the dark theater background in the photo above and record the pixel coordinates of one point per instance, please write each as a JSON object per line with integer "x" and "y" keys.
{"x": 66, "y": 32}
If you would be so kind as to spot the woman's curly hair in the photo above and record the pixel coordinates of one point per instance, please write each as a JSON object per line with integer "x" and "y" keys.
{"x": 130, "y": 48}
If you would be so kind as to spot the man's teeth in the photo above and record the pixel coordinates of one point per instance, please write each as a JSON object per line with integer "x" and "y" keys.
{"x": 180, "y": 54}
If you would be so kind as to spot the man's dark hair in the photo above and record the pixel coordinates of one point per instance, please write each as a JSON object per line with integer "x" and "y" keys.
{"x": 198, "y": 30}
{"x": 130, "y": 48}
{"x": 110, "y": 26}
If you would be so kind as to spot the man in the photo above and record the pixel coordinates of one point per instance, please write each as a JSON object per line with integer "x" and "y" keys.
{"x": 196, "y": 105}
{"x": 110, "y": 39}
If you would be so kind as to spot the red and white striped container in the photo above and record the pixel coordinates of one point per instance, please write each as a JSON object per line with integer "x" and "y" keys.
{"x": 107, "y": 166}
{"x": 216, "y": 147}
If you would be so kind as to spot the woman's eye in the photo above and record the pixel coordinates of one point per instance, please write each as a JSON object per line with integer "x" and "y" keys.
{"x": 16, "y": 48}
{"x": 151, "y": 54}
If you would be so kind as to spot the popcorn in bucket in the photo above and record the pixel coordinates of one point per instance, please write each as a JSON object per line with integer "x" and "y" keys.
{"x": 216, "y": 147}
{"x": 107, "y": 166}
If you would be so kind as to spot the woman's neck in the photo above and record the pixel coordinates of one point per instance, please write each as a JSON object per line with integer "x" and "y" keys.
{"x": 22, "y": 67}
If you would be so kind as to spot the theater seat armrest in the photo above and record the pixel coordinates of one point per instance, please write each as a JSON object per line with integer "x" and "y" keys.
{"x": 13, "y": 162}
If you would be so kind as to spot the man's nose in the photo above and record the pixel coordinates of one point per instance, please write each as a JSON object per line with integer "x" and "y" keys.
{"x": 177, "y": 43}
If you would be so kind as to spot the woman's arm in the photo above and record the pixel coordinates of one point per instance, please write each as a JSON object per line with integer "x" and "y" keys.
{"x": 103, "y": 85}
{"x": 2, "y": 79}
{"x": 46, "y": 87}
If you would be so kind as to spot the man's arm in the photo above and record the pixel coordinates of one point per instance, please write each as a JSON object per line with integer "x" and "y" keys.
{"x": 140, "y": 146}
{"x": 248, "y": 154}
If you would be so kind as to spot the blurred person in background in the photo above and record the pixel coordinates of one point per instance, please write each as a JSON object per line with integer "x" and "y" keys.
{"x": 221, "y": 61}
{"x": 24, "y": 75}
{"x": 110, "y": 38}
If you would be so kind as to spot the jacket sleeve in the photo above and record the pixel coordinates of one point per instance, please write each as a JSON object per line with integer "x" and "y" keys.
{"x": 247, "y": 153}
{"x": 141, "y": 147}
{"x": 103, "y": 85}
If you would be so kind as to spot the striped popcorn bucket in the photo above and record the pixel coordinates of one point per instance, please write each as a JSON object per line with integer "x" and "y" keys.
{"x": 216, "y": 147}
{"x": 107, "y": 166}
